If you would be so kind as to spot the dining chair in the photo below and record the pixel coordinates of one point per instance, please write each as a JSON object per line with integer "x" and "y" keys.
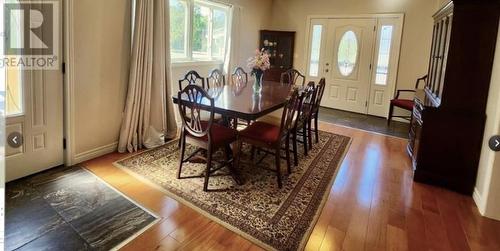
{"x": 302, "y": 123}
{"x": 406, "y": 104}
{"x": 270, "y": 138}
{"x": 239, "y": 76}
{"x": 216, "y": 79}
{"x": 191, "y": 78}
{"x": 204, "y": 134}
{"x": 293, "y": 77}
{"x": 320, "y": 89}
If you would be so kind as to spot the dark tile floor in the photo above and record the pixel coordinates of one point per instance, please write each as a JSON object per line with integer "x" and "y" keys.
{"x": 364, "y": 122}
{"x": 68, "y": 208}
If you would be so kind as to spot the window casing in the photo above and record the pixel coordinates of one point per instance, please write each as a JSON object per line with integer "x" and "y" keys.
{"x": 198, "y": 30}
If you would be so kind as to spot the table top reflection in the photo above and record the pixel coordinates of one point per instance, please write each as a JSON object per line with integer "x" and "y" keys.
{"x": 239, "y": 101}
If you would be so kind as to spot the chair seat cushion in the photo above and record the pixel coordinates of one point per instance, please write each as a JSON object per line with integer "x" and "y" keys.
{"x": 403, "y": 103}
{"x": 221, "y": 135}
{"x": 262, "y": 132}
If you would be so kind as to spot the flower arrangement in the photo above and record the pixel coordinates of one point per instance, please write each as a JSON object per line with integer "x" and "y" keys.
{"x": 260, "y": 61}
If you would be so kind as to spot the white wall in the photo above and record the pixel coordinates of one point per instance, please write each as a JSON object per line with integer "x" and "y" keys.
{"x": 98, "y": 51}
{"x": 487, "y": 191}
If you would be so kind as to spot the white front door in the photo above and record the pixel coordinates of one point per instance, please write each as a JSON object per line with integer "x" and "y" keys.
{"x": 359, "y": 58}
{"x": 34, "y": 116}
{"x": 347, "y": 69}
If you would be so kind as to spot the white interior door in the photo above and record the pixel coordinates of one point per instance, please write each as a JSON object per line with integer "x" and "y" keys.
{"x": 347, "y": 68}
{"x": 34, "y": 110}
{"x": 359, "y": 59}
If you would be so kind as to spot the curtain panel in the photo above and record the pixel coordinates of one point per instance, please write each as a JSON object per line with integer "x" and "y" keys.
{"x": 149, "y": 114}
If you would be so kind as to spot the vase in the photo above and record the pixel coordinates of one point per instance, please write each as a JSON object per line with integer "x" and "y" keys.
{"x": 257, "y": 85}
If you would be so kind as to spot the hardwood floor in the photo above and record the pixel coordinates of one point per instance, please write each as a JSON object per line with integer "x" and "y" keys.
{"x": 373, "y": 205}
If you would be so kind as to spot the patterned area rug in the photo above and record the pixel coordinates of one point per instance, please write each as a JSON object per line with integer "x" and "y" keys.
{"x": 275, "y": 219}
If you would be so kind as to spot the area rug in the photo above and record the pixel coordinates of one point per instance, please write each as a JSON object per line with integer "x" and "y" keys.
{"x": 273, "y": 218}
{"x": 69, "y": 208}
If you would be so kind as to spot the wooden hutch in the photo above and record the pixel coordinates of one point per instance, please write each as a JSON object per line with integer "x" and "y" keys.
{"x": 280, "y": 45}
{"x": 450, "y": 112}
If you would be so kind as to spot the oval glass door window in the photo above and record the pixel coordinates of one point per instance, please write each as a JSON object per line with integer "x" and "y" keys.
{"x": 348, "y": 53}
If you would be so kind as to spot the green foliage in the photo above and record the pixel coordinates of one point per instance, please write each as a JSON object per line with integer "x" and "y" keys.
{"x": 177, "y": 25}
{"x": 200, "y": 30}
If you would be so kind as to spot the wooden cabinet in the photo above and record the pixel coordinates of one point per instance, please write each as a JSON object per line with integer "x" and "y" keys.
{"x": 450, "y": 112}
{"x": 280, "y": 45}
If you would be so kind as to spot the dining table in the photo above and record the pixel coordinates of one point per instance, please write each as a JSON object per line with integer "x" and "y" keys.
{"x": 238, "y": 101}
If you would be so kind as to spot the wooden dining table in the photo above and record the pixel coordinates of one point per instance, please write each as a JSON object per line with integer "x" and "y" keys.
{"x": 239, "y": 101}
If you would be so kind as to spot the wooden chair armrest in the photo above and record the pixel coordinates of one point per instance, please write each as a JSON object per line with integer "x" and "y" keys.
{"x": 424, "y": 78}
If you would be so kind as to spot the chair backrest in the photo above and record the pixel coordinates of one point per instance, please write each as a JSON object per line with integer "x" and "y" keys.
{"x": 424, "y": 78}
{"x": 306, "y": 104}
{"x": 293, "y": 77}
{"x": 216, "y": 79}
{"x": 191, "y": 101}
{"x": 289, "y": 112}
{"x": 239, "y": 76}
{"x": 320, "y": 89}
{"x": 191, "y": 78}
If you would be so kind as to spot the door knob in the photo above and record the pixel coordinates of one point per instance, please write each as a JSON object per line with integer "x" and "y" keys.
{"x": 327, "y": 70}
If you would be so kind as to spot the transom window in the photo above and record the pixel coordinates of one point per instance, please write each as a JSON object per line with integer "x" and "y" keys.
{"x": 198, "y": 30}
{"x": 347, "y": 53}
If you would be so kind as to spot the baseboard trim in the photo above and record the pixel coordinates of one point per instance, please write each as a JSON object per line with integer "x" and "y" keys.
{"x": 476, "y": 196}
{"x": 94, "y": 153}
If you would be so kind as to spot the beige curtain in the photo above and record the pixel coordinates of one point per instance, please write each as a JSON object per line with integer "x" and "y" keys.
{"x": 149, "y": 113}
{"x": 231, "y": 60}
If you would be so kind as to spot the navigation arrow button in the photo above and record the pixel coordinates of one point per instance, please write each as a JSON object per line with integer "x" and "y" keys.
{"x": 15, "y": 139}
{"x": 494, "y": 143}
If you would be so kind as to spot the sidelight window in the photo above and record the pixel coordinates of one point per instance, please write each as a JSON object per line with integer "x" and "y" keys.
{"x": 315, "y": 50}
{"x": 384, "y": 54}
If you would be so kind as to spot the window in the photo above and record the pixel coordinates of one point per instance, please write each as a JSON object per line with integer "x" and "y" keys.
{"x": 347, "y": 53}
{"x": 11, "y": 88}
{"x": 384, "y": 53}
{"x": 198, "y": 30}
{"x": 315, "y": 50}
{"x": 178, "y": 34}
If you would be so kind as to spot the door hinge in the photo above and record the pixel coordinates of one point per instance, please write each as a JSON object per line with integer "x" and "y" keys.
{"x": 63, "y": 68}
{"x": 374, "y": 28}
{"x": 64, "y": 143}
{"x": 366, "y": 103}
{"x": 370, "y": 66}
